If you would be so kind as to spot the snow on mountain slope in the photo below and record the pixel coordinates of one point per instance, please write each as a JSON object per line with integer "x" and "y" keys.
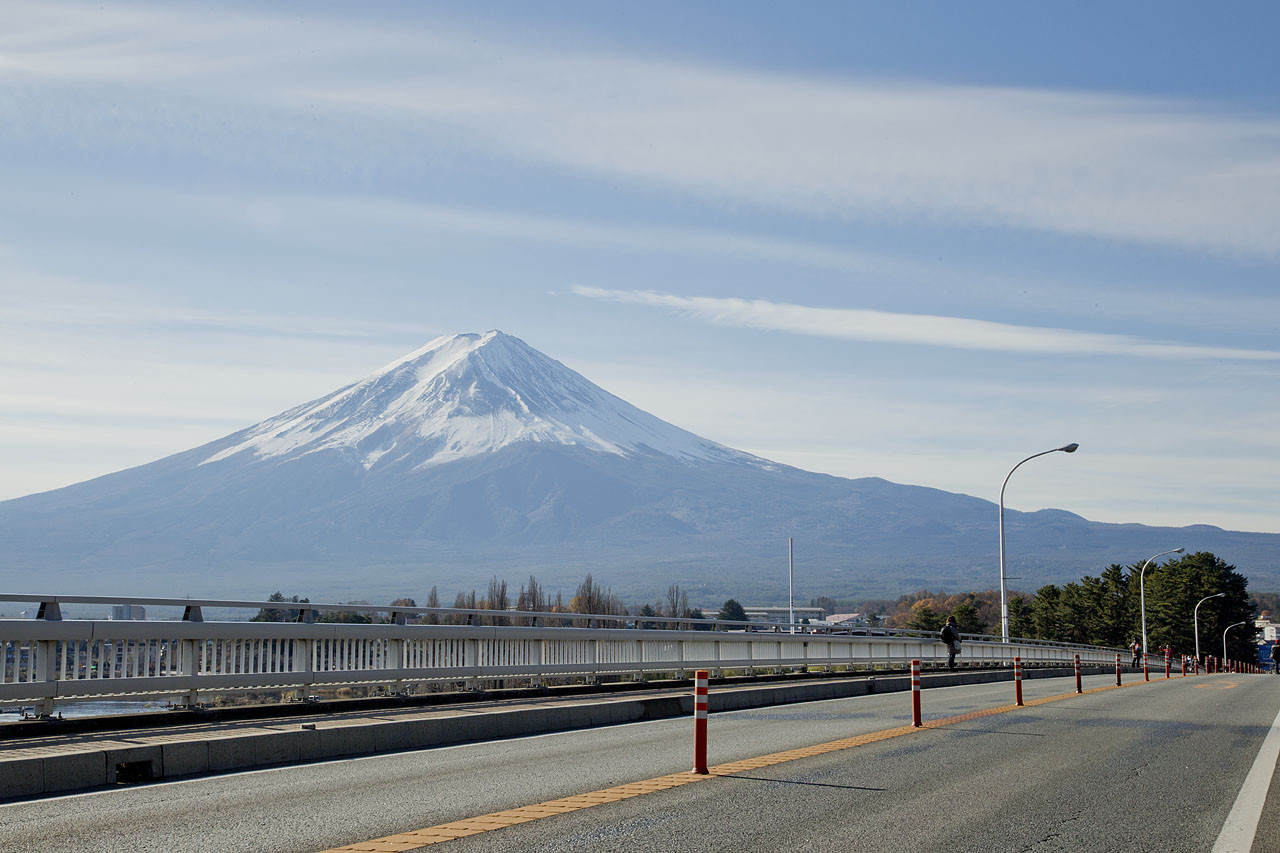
{"x": 467, "y": 395}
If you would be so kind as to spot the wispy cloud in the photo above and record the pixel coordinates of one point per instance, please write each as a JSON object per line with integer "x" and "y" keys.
{"x": 263, "y": 89}
{"x": 919, "y": 329}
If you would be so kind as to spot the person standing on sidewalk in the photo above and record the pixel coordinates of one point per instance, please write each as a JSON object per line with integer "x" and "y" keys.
{"x": 950, "y": 635}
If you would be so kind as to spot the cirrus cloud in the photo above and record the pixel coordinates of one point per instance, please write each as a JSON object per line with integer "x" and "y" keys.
{"x": 856, "y": 324}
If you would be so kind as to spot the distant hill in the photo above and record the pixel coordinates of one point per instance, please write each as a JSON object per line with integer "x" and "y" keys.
{"x": 478, "y": 455}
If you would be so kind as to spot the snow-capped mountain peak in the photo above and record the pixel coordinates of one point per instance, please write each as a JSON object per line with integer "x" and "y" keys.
{"x": 466, "y": 395}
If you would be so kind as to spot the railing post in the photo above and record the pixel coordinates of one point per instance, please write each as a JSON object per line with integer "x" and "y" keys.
{"x": 190, "y": 666}
{"x": 46, "y": 672}
{"x": 1017, "y": 680}
{"x": 304, "y": 661}
{"x": 470, "y": 656}
{"x": 700, "y": 702}
{"x": 536, "y": 681}
{"x": 916, "y": 719}
{"x": 1079, "y": 686}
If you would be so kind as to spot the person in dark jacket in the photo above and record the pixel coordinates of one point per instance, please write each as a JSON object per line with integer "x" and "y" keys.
{"x": 950, "y": 635}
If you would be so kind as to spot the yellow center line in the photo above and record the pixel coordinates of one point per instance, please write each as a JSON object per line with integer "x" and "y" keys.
{"x": 417, "y": 838}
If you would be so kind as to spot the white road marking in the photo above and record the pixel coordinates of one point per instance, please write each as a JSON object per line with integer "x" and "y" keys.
{"x": 1241, "y": 825}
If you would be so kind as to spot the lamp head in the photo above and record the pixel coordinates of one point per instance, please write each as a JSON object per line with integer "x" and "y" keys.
{"x": 1218, "y": 595}
{"x": 1070, "y": 448}
{"x": 1177, "y": 550}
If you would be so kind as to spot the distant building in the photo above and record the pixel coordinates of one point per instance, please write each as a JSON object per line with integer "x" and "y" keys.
{"x": 847, "y": 620}
{"x": 121, "y": 612}
{"x": 782, "y": 615}
{"x": 1268, "y": 629}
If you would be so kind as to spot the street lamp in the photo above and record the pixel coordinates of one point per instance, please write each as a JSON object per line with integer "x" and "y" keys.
{"x": 1142, "y": 589}
{"x": 1195, "y": 614}
{"x": 791, "y": 606}
{"x": 1004, "y": 600}
{"x": 1224, "y": 639}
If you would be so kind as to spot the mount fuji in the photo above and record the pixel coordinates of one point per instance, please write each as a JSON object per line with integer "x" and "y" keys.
{"x": 477, "y": 456}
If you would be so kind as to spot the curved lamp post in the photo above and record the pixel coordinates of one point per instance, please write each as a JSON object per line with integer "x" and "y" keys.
{"x": 1195, "y": 615}
{"x": 1142, "y": 589}
{"x": 1004, "y": 600}
{"x": 1224, "y": 639}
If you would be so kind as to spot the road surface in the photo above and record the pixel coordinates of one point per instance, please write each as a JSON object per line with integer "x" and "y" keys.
{"x": 1153, "y": 767}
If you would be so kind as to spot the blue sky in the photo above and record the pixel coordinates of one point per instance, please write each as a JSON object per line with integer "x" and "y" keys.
{"x": 912, "y": 240}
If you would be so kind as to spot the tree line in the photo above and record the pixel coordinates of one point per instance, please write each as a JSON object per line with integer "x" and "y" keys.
{"x": 1106, "y": 610}
{"x": 589, "y": 597}
{"x": 1102, "y": 610}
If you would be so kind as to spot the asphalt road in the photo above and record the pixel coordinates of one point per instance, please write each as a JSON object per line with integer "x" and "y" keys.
{"x": 1151, "y": 768}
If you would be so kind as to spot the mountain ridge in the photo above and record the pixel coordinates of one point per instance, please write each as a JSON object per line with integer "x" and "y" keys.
{"x": 478, "y": 455}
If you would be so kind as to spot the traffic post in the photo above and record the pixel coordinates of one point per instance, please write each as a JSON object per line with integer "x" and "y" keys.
{"x": 1168, "y": 661}
{"x": 916, "y": 719}
{"x": 700, "y": 722}
{"x": 1117, "y": 669}
{"x": 1079, "y": 686}
{"x": 1017, "y": 681}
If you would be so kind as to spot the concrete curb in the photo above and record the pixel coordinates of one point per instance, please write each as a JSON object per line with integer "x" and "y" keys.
{"x": 218, "y": 753}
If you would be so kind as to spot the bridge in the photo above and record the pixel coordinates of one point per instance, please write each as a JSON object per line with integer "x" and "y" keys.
{"x": 1065, "y": 770}
{"x": 49, "y": 658}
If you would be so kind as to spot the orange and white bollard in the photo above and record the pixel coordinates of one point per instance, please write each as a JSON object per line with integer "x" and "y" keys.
{"x": 916, "y": 719}
{"x": 700, "y": 698}
{"x": 1168, "y": 662}
{"x": 1079, "y": 686}
{"x": 1017, "y": 681}
{"x": 1146, "y": 668}
{"x": 1118, "y": 669}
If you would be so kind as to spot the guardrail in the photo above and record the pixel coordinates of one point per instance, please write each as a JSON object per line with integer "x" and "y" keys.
{"x": 50, "y": 658}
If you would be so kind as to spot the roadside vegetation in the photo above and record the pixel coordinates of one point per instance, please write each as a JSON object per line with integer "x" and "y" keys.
{"x": 1102, "y": 610}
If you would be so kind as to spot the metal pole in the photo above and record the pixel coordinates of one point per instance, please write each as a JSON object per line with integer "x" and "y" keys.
{"x": 1195, "y": 614}
{"x": 1004, "y": 598}
{"x": 791, "y": 608}
{"x": 1142, "y": 589}
{"x": 1224, "y": 640}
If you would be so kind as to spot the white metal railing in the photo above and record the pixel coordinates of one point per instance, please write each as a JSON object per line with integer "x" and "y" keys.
{"x": 50, "y": 658}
